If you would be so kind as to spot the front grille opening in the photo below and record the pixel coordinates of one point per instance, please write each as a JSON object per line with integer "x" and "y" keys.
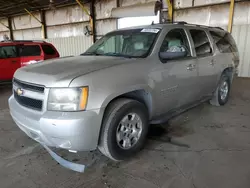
{"x": 23, "y": 85}
{"x": 28, "y": 102}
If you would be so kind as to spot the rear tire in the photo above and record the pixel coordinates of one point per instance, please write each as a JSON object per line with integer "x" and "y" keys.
{"x": 124, "y": 129}
{"x": 221, "y": 94}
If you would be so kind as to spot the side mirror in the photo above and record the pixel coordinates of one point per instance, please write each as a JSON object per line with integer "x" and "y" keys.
{"x": 174, "y": 54}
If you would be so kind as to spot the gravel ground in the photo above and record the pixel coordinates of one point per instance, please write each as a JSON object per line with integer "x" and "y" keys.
{"x": 206, "y": 147}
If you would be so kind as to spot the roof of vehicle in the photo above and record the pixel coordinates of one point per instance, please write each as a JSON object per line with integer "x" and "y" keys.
{"x": 161, "y": 26}
{"x": 5, "y": 43}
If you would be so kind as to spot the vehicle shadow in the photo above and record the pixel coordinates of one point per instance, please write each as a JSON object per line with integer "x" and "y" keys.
{"x": 177, "y": 127}
{"x": 167, "y": 134}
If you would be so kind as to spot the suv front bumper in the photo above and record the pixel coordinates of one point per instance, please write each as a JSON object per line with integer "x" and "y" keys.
{"x": 77, "y": 131}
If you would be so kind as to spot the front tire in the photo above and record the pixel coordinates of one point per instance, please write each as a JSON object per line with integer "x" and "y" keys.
{"x": 124, "y": 129}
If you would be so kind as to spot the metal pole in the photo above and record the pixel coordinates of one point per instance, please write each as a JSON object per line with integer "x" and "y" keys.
{"x": 231, "y": 15}
{"x": 91, "y": 16}
{"x": 32, "y": 15}
{"x": 92, "y": 20}
{"x": 170, "y": 10}
{"x": 43, "y": 26}
{"x": 4, "y": 25}
{"x": 83, "y": 7}
{"x": 10, "y": 28}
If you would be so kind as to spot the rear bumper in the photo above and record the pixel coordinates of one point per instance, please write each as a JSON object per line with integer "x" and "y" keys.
{"x": 78, "y": 131}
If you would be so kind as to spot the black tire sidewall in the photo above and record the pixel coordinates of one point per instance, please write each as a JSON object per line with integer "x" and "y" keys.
{"x": 117, "y": 152}
{"x": 227, "y": 79}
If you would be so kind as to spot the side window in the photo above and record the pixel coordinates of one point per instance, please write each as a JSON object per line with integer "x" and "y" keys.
{"x": 224, "y": 41}
{"x": 8, "y": 52}
{"x": 201, "y": 43}
{"x": 176, "y": 41}
{"x": 30, "y": 50}
{"x": 48, "y": 50}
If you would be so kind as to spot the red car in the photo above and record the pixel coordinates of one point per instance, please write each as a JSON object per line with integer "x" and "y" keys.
{"x": 16, "y": 54}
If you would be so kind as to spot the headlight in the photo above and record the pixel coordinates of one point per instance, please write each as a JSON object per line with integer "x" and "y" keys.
{"x": 68, "y": 99}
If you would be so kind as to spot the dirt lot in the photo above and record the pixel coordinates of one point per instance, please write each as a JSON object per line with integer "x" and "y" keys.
{"x": 206, "y": 147}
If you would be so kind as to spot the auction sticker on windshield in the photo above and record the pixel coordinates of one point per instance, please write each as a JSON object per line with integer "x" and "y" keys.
{"x": 150, "y": 30}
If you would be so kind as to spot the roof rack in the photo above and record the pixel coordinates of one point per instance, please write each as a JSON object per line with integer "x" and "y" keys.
{"x": 197, "y": 25}
{"x": 23, "y": 41}
{"x": 181, "y": 22}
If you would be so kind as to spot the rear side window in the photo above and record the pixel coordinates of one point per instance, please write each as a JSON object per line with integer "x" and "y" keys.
{"x": 30, "y": 50}
{"x": 201, "y": 43}
{"x": 48, "y": 50}
{"x": 224, "y": 41}
{"x": 8, "y": 52}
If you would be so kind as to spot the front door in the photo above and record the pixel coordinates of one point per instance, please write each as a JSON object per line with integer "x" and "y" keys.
{"x": 9, "y": 62}
{"x": 178, "y": 84}
{"x": 206, "y": 62}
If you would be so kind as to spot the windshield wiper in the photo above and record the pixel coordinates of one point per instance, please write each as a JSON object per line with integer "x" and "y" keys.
{"x": 117, "y": 55}
{"x": 91, "y": 53}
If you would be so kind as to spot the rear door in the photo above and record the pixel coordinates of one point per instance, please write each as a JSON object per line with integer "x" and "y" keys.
{"x": 49, "y": 52}
{"x": 30, "y": 54}
{"x": 205, "y": 60}
{"x": 9, "y": 62}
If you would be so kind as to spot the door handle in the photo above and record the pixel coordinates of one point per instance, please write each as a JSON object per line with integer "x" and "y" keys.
{"x": 13, "y": 61}
{"x": 190, "y": 67}
{"x": 212, "y": 62}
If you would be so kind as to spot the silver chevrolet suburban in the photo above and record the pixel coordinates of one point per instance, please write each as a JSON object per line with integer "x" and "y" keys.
{"x": 130, "y": 78}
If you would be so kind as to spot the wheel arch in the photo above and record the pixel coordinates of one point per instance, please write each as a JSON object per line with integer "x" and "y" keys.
{"x": 141, "y": 95}
{"x": 229, "y": 71}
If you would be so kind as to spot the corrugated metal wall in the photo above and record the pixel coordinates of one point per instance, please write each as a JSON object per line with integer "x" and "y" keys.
{"x": 71, "y": 45}
{"x": 217, "y": 15}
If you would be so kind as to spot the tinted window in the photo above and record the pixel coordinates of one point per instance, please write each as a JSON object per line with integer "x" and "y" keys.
{"x": 48, "y": 50}
{"x": 174, "y": 41}
{"x": 224, "y": 41}
{"x": 8, "y": 52}
{"x": 30, "y": 50}
{"x": 201, "y": 43}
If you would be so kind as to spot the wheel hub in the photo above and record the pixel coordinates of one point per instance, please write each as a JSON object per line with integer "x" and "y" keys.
{"x": 224, "y": 90}
{"x": 129, "y": 131}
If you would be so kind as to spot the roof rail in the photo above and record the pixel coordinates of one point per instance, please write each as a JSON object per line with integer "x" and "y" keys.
{"x": 197, "y": 25}
{"x": 181, "y": 22}
{"x": 218, "y": 28}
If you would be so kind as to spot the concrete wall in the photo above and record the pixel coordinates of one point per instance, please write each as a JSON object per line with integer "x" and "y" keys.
{"x": 65, "y": 26}
{"x": 3, "y": 29}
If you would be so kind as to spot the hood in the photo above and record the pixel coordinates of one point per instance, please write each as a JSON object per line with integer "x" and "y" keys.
{"x": 60, "y": 72}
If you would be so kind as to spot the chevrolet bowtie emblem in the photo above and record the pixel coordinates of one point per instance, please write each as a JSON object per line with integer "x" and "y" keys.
{"x": 19, "y": 91}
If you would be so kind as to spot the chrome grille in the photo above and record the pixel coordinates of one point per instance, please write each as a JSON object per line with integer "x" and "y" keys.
{"x": 31, "y": 87}
{"x": 28, "y": 101}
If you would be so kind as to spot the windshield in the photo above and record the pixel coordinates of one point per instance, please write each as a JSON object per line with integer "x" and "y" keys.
{"x": 125, "y": 43}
